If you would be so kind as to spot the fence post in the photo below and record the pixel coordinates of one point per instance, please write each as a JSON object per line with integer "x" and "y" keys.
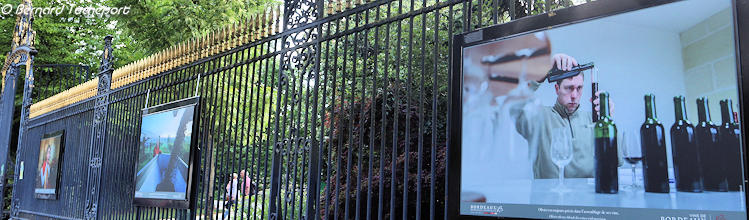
{"x": 99, "y": 132}
{"x": 6, "y": 123}
{"x": 22, "y": 53}
{"x": 28, "y": 85}
{"x": 296, "y": 14}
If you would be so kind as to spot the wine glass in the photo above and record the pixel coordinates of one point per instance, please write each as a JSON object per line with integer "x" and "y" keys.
{"x": 561, "y": 153}
{"x": 632, "y": 154}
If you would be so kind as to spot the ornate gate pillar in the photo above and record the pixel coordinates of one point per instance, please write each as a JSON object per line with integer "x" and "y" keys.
{"x": 22, "y": 54}
{"x": 99, "y": 130}
{"x": 291, "y": 141}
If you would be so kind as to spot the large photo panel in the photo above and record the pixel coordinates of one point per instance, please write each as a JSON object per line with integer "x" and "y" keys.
{"x": 163, "y": 167}
{"x": 636, "y": 111}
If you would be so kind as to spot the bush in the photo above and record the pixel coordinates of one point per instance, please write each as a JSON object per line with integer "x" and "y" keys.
{"x": 345, "y": 176}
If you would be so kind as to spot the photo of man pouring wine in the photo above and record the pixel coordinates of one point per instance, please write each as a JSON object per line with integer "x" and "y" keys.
{"x": 619, "y": 112}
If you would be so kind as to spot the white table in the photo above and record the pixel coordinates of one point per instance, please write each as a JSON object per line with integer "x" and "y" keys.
{"x": 582, "y": 193}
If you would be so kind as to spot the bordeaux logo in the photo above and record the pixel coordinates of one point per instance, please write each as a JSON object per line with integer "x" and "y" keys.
{"x": 487, "y": 209}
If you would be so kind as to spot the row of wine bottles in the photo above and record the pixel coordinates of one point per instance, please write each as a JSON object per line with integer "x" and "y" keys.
{"x": 706, "y": 156}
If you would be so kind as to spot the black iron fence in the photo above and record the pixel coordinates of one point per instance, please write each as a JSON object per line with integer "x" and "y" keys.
{"x": 334, "y": 110}
{"x": 54, "y": 78}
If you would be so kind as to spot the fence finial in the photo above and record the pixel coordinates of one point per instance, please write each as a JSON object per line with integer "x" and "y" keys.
{"x": 234, "y": 33}
{"x": 106, "y": 56}
{"x": 257, "y": 28}
{"x": 276, "y": 18}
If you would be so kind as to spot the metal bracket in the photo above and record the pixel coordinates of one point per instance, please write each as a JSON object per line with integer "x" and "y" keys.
{"x": 147, "y": 94}
{"x": 197, "y": 85}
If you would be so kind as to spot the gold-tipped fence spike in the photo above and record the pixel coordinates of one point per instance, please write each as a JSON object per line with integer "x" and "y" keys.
{"x": 232, "y": 35}
{"x": 195, "y": 49}
{"x": 190, "y": 51}
{"x": 213, "y": 45}
{"x": 243, "y": 31}
{"x": 228, "y": 44}
{"x": 246, "y": 29}
{"x": 274, "y": 21}
{"x": 329, "y": 8}
{"x": 170, "y": 60}
{"x": 269, "y": 24}
{"x": 256, "y": 27}
{"x": 139, "y": 68}
{"x": 203, "y": 46}
{"x": 167, "y": 59}
{"x": 200, "y": 49}
{"x": 220, "y": 40}
{"x": 236, "y": 36}
{"x": 266, "y": 18}
{"x": 182, "y": 53}
{"x": 271, "y": 21}
{"x": 176, "y": 54}
{"x": 339, "y": 6}
{"x": 178, "y": 58}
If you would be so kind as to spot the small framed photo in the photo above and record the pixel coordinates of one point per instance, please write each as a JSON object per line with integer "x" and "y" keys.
{"x": 48, "y": 169}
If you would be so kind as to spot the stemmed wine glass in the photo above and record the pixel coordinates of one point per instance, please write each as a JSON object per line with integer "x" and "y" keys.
{"x": 632, "y": 154}
{"x": 561, "y": 153}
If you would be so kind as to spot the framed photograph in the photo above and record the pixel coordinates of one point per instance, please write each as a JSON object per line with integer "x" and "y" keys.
{"x": 51, "y": 150}
{"x": 166, "y": 155}
{"x": 606, "y": 110}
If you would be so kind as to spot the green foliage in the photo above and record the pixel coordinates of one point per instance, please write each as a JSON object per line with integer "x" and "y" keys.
{"x": 149, "y": 27}
{"x": 156, "y": 24}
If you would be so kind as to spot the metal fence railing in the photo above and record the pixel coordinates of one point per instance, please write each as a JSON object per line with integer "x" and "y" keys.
{"x": 334, "y": 110}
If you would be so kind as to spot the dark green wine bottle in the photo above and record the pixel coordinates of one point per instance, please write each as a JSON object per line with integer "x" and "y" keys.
{"x": 713, "y": 166}
{"x": 607, "y": 160}
{"x": 684, "y": 149}
{"x": 729, "y": 140}
{"x": 653, "y": 144}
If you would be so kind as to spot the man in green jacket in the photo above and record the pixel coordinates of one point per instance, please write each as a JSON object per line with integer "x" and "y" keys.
{"x": 537, "y": 126}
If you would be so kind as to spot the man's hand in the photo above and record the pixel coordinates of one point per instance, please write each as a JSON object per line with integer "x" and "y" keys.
{"x": 596, "y": 102}
{"x": 563, "y": 61}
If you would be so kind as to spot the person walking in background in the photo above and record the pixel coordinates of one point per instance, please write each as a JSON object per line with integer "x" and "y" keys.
{"x": 246, "y": 183}
{"x": 231, "y": 193}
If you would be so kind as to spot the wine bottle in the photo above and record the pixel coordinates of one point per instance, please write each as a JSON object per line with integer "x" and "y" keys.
{"x": 729, "y": 140}
{"x": 713, "y": 165}
{"x": 606, "y": 154}
{"x": 653, "y": 144}
{"x": 684, "y": 150}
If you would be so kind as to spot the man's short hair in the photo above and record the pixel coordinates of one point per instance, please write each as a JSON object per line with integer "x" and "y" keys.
{"x": 581, "y": 73}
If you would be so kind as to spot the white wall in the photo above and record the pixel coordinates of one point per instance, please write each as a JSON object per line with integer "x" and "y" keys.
{"x": 632, "y": 61}
{"x": 710, "y": 64}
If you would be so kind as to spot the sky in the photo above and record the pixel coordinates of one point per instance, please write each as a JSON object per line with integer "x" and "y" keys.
{"x": 163, "y": 124}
